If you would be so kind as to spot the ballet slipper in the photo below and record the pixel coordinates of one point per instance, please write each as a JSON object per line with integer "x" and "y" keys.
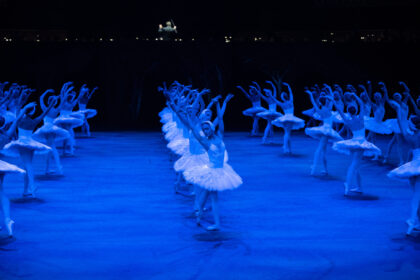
{"x": 213, "y": 227}
{"x": 9, "y": 226}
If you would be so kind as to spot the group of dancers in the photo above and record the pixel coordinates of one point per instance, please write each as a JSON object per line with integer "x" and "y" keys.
{"x": 19, "y": 136}
{"x": 196, "y": 138}
{"x": 347, "y": 114}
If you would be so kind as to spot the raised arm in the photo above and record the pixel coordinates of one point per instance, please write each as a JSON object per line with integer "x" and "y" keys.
{"x": 244, "y": 91}
{"x": 44, "y": 113}
{"x": 317, "y": 108}
{"x": 289, "y": 89}
{"x": 274, "y": 92}
{"x": 41, "y": 99}
{"x": 220, "y": 113}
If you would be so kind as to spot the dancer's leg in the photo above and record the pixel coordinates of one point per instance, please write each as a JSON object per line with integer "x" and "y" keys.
{"x": 215, "y": 210}
{"x": 389, "y": 148}
{"x": 324, "y": 154}
{"x": 255, "y": 126}
{"x": 266, "y": 132}
{"x": 5, "y": 206}
{"x": 202, "y": 201}
{"x": 318, "y": 154}
{"x": 415, "y": 203}
{"x": 286, "y": 140}
{"x": 27, "y": 156}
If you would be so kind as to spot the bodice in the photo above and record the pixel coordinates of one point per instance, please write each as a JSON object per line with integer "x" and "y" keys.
{"x": 379, "y": 113}
{"x": 256, "y": 103}
{"x": 272, "y": 107}
{"x": 416, "y": 154}
{"x": 289, "y": 111}
{"x": 216, "y": 155}
{"x": 359, "y": 134}
{"x": 195, "y": 147}
{"x": 82, "y": 106}
{"x": 48, "y": 120}
{"x": 24, "y": 133}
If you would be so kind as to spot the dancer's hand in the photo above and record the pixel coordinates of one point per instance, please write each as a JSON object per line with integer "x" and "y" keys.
{"x": 29, "y": 106}
{"x": 406, "y": 89}
{"x": 363, "y": 88}
{"x": 229, "y": 97}
{"x": 216, "y": 99}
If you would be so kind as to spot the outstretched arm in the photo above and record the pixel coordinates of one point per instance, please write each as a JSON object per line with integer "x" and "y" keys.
{"x": 244, "y": 91}
{"x": 221, "y": 124}
{"x": 44, "y": 113}
{"x": 41, "y": 99}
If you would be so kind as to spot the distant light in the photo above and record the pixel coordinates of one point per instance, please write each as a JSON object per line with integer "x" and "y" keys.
{"x": 137, "y": 38}
{"x": 111, "y": 39}
{"x": 38, "y": 40}
{"x": 161, "y": 38}
{"x": 180, "y": 40}
{"x": 100, "y": 39}
{"x": 76, "y": 39}
{"x": 176, "y": 40}
{"x": 332, "y": 33}
{"x": 192, "y": 39}
{"x": 156, "y": 39}
{"x": 66, "y": 39}
{"x": 362, "y": 38}
{"x": 324, "y": 40}
{"x": 147, "y": 39}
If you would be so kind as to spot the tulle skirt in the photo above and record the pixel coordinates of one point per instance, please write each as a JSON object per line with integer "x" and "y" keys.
{"x": 65, "y": 121}
{"x": 173, "y": 133}
{"x": 50, "y": 130}
{"x": 213, "y": 179}
{"x": 189, "y": 160}
{"x": 269, "y": 115}
{"x": 406, "y": 171}
{"x": 356, "y": 144}
{"x": 287, "y": 120}
{"x": 253, "y": 111}
{"x": 323, "y": 130}
{"x": 9, "y": 168}
{"x": 179, "y": 146}
{"x": 312, "y": 114}
{"x": 86, "y": 113}
{"x": 393, "y": 125}
{"x": 378, "y": 127}
{"x": 24, "y": 143}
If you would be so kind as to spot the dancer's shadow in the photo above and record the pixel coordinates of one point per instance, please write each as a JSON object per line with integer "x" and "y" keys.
{"x": 22, "y": 200}
{"x": 356, "y": 196}
{"x": 49, "y": 177}
{"x": 292, "y": 155}
{"x": 5, "y": 239}
{"x": 215, "y": 236}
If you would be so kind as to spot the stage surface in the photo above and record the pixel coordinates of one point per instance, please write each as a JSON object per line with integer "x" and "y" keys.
{"x": 114, "y": 215}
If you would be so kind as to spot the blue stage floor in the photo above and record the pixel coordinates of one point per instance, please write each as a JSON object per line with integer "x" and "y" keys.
{"x": 115, "y": 216}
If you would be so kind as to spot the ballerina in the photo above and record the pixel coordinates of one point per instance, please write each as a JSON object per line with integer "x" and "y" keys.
{"x": 87, "y": 113}
{"x": 324, "y": 133}
{"x": 270, "y": 114}
{"x": 6, "y": 168}
{"x": 256, "y": 108}
{"x": 67, "y": 118}
{"x": 49, "y": 133}
{"x": 24, "y": 147}
{"x": 288, "y": 121}
{"x": 410, "y": 170}
{"x": 355, "y": 146}
{"x": 375, "y": 124}
{"x": 215, "y": 176}
{"x": 397, "y": 102}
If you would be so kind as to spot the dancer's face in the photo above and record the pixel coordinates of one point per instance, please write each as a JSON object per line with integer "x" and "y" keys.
{"x": 207, "y": 115}
{"x": 32, "y": 111}
{"x": 377, "y": 96}
{"x": 207, "y": 129}
{"x": 397, "y": 97}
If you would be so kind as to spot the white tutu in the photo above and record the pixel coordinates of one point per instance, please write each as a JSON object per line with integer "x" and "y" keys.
{"x": 179, "y": 146}
{"x": 269, "y": 115}
{"x": 213, "y": 179}
{"x": 393, "y": 125}
{"x": 51, "y": 130}
{"x": 323, "y": 130}
{"x": 289, "y": 119}
{"x": 65, "y": 121}
{"x": 312, "y": 114}
{"x": 189, "y": 160}
{"x": 378, "y": 127}
{"x": 173, "y": 134}
{"x": 357, "y": 143}
{"x": 9, "y": 168}
{"x": 8, "y": 117}
{"x": 86, "y": 113}
{"x": 24, "y": 143}
{"x": 253, "y": 111}
{"x": 408, "y": 170}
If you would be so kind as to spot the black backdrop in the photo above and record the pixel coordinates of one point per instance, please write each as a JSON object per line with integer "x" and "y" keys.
{"x": 128, "y": 73}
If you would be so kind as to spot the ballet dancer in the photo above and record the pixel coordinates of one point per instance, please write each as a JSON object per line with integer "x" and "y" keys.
{"x": 355, "y": 146}
{"x": 397, "y": 102}
{"x": 49, "y": 133}
{"x": 6, "y": 168}
{"x": 87, "y": 113}
{"x": 270, "y": 114}
{"x": 25, "y": 147}
{"x": 215, "y": 176}
{"x": 288, "y": 121}
{"x": 410, "y": 170}
{"x": 324, "y": 133}
{"x": 256, "y": 108}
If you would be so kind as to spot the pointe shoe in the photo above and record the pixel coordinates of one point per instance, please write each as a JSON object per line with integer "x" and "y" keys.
{"x": 213, "y": 227}
{"x": 412, "y": 226}
{"x": 9, "y": 226}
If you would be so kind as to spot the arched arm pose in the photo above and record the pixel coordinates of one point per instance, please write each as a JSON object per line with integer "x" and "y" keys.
{"x": 410, "y": 98}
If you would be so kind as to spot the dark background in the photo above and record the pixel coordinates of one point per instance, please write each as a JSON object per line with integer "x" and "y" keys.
{"x": 128, "y": 71}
